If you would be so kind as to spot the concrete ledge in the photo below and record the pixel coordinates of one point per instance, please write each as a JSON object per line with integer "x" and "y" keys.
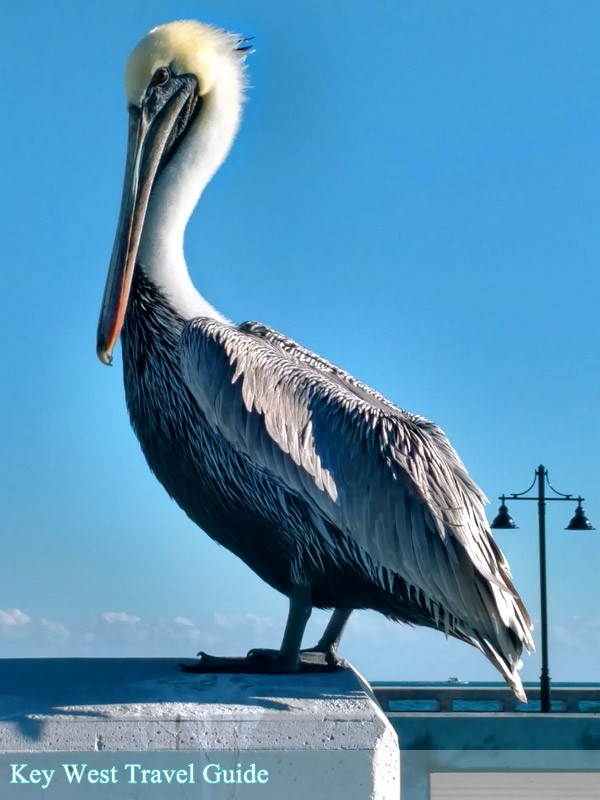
{"x": 317, "y": 736}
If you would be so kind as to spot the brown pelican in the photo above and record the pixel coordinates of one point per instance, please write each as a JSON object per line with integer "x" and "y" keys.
{"x": 333, "y": 495}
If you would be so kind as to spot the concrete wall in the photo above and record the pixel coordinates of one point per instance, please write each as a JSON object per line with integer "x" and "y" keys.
{"x": 142, "y": 728}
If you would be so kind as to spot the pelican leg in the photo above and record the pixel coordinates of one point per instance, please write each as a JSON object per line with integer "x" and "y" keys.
{"x": 328, "y": 643}
{"x": 299, "y": 614}
{"x": 325, "y": 651}
{"x": 287, "y": 659}
{"x": 288, "y": 654}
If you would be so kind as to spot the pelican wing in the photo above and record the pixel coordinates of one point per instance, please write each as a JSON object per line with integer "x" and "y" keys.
{"x": 388, "y": 479}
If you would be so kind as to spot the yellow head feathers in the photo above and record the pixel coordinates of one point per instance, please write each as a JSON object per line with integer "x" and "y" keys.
{"x": 187, "y": 47}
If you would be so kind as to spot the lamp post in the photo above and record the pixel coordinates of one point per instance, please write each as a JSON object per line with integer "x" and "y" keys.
{"x": 579, "y": 522}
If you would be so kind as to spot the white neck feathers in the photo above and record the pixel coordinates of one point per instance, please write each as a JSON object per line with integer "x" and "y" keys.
{"x": 180, "y": 185}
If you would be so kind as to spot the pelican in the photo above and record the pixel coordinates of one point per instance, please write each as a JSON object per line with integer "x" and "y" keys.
{"x": 333, "y": 495}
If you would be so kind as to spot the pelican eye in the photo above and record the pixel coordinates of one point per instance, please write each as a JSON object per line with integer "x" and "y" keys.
{"x": 161, "y": 77}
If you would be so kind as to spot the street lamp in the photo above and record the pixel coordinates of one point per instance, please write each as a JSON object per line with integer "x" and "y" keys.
{"x": 579, "y": 522}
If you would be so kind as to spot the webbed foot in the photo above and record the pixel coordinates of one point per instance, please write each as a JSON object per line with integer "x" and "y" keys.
{"x": 325, "y": 655}
{"x": 265, "y": 662}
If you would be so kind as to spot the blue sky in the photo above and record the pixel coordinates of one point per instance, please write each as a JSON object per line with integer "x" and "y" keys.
{"x": 413, "y": 195}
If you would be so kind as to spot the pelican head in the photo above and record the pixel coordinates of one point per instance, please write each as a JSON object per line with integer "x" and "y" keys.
{"x": 184, "y": 85}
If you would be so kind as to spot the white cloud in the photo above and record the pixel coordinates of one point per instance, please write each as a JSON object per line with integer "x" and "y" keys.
{"x": 119, "y": 617}
{"x": 243, "y": 621}
{"x": 13, "y": 617}
{"x": 14, "y": 623}
{"x": 55, "y": 631}
{"x": 184, "y": 622}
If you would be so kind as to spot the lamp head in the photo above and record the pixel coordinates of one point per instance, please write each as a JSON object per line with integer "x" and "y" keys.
{"x": 503, "y": 520}
{"x": 579, "y": 522}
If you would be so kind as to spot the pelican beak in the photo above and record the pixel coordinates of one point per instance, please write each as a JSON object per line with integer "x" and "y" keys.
{"x": 152, "y": 136}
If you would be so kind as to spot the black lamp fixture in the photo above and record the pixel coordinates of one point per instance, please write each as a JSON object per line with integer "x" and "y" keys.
{"x": 579, "y": 522}
{"x": 503, "y": 521}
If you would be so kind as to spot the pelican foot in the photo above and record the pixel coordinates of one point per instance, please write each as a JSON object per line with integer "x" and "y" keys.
{"x": 263, "y": 662}
{"x": 323, "y": 655}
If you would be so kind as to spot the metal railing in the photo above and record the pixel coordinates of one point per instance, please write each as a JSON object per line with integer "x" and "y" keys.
{"x": 485, "y": 700}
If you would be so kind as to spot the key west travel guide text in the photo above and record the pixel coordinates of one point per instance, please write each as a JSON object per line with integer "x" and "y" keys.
{"x": 76, "y": 774}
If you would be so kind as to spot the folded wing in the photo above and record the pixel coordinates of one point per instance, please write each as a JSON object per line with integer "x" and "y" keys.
{"x": 388, "y": 479}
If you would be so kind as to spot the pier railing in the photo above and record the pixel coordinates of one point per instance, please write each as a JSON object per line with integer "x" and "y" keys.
{"x": 486, "y": 700}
